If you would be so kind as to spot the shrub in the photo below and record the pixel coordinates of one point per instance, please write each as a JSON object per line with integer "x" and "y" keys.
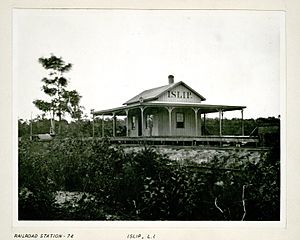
{"x": 145, "y": 184}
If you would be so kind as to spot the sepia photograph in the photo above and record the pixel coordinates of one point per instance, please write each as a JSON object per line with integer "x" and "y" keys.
{"x": 148, "y": 115}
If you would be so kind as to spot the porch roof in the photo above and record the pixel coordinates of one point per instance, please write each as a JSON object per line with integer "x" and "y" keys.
{"x": 203, "y": 108}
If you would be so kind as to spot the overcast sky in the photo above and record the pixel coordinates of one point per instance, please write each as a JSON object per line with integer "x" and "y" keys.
{"x": 229, "y": 57}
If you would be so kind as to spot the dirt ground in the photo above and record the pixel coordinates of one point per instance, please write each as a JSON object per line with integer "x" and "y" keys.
{"x": 200, "y": 155}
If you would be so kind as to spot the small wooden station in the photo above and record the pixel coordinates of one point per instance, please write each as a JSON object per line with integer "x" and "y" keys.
{"x": 173, "y": 112}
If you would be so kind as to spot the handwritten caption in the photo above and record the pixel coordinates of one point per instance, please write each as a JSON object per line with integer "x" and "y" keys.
{"x": 43, "y": 236}
{"x": 140, "y": 236}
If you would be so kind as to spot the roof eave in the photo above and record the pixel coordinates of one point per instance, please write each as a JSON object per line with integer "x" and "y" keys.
{"x": 138, "y": 101}
{"x": 191, "y": 89}
{"x": 209, "y": 107}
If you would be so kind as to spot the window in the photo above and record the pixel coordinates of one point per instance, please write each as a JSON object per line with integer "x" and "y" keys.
{"x": 179, "y": 120}
{"x": 133, "y": 122}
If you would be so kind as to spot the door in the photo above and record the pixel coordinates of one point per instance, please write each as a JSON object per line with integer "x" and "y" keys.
{"x": 139, "y": 126}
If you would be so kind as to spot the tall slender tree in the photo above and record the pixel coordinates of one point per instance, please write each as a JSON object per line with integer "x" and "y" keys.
{"x": 55, "y": 85}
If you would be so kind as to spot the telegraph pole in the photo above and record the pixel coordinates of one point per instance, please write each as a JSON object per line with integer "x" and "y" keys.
{"x": 92, "y": 112}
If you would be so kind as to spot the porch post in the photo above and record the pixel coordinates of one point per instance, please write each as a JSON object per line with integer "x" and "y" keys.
{"x": 127, "y": 120}
{"x": 200, "y": 126}
{"x": 220, "y": 122}
{"x": 204, "y": 124}
{"x": 114, "y": 124}
{"x": 92, "y": 112}
{"x": 102, "y": 125}
{"x": 242, "y": 112}
{"x": 142, "y": 120}
{"x": 196, "y": 120}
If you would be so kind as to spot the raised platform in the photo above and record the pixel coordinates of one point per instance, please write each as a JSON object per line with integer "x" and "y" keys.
{"x": 189, "y": 141}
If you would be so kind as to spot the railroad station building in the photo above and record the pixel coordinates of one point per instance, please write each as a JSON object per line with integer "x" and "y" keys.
{"x": 172, "y": 110}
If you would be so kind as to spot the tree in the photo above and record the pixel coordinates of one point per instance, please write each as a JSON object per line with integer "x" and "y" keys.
{"x": 55, "y": 85}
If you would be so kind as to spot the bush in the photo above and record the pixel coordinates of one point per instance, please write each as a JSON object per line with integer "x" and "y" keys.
{"x": 36, "y": 188}
{"x": 143, "y": 185}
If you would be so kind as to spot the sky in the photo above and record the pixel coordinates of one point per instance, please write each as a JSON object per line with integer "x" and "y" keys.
{"x": 229, "y": 57}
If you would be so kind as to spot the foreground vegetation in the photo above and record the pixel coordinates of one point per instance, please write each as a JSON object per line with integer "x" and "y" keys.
{"x": 84, "y": 127}
{"x": 112, "y": 184}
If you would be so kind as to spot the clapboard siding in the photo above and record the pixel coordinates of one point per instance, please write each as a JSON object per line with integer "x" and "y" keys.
{"x": 189, "y": 123}
{"x": 179, "y": 94}
{"x": 161, "y": 123}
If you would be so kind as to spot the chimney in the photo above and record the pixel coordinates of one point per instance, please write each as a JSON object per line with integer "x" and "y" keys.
{"x": 171, "y": 79}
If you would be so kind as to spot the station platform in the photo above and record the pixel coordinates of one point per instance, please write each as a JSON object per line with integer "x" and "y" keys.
{"x": 236, "y": 141}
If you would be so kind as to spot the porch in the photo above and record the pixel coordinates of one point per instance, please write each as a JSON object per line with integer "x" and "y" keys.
{"x": 223, "y": 141}
{"x": 168, "y": 120}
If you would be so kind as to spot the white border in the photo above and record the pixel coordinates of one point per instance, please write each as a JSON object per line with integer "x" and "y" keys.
{"x": 165, "y": 224}
{"x": 283, "y": 122}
